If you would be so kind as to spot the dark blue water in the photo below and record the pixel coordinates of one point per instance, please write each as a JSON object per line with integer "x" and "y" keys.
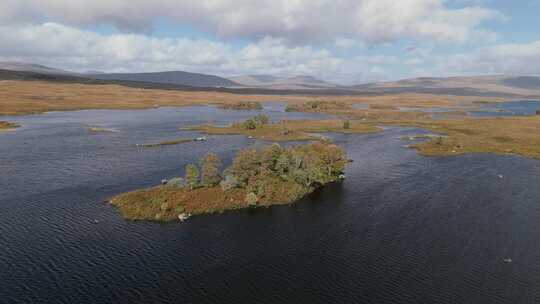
{"x": 511, "y": 108}
{"x": 401, "y": 229}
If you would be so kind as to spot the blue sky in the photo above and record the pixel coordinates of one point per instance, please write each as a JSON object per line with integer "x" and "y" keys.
{"x": 345, "y": 41}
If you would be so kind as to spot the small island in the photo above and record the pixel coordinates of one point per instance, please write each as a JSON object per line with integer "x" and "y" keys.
{"x": 263, "y": 177}
{"x": 260, "y": 127}
{"x": 4, "y": 125}
{"x": 242, "y": 105}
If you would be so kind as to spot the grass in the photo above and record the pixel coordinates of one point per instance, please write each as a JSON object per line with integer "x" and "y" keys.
{"x": 168, "y": 143}
{"x": 4, "y": 125}
{"x": 99, "y": 130}
{"x": 508, "y": 135}
{"x": 166, "y": 203}
{"x": 19, "y": 97}
{"x": 290, "y": 130}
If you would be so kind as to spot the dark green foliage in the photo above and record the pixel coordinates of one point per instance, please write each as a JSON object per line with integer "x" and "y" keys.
{"x": 210, "y": 165}
{"x": 346, "y": 124}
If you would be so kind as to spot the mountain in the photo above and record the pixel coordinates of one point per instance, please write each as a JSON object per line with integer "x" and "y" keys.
{"x": 171, "y": 77}
{"x": 273, "y": 82}
{"x": 30, "y": 67}
{"x": 491, "y": 85}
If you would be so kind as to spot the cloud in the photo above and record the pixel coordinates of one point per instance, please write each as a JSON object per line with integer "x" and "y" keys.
{"x": 518, "y": 59}
{"x": 297, "y": 21}
{"x": 70, "y": 48}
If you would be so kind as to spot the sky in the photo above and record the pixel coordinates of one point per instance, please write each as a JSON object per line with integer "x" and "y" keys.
{"x": 341, "y": 41}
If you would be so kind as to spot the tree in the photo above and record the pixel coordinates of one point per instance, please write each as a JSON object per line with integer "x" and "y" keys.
{"x": 346, "y": 124}
{"x": 210, "y": 165}
{"x": 192, "y": 175}
{"x": 249, "y": 124}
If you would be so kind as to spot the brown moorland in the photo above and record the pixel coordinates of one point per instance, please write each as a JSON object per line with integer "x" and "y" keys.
{"x": 30, "y": 97}
{"x": 516, "y": 135}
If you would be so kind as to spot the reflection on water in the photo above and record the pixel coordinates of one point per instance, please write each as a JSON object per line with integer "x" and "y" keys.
{"x": 401, "y": 229}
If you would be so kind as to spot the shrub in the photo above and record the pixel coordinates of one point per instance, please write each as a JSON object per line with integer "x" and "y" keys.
{"x": 249, "y": 124}
{"x": 229, "y": 182}
{"x": 346, "y": 124}
{"x": 178, "y": 182}
{"x": 251, "y": 199}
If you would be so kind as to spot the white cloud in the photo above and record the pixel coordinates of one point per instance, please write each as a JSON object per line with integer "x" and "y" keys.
{"x": 298, "y": 21}
{"x": 518, "y": 59}
{"x": 74, "y": 49}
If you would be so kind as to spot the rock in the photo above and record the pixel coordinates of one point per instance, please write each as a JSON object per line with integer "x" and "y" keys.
{"x": 164, "y": 181}
{"x": 184, "y": 216}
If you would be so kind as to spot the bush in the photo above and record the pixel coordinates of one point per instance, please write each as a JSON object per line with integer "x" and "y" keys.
{"x": 346, "y": 124}
{"x": 251, "y": 199}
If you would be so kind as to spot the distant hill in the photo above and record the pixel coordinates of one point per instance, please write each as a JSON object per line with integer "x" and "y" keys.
{"x": 491, "y": 85}
{"x": 273, "y": 82}
{"x": 30, "y": 67}
{"x": 172, "y": 77}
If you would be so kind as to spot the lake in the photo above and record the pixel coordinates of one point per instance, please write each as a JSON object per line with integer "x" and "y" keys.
{"x": 401, "y": 228}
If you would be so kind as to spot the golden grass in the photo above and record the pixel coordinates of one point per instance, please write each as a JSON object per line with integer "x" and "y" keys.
{"x": 290, "y": 130}
{"x": 166, "y": 203}
{"x": 28, "y": 97}
{"x": 508, "y": 135}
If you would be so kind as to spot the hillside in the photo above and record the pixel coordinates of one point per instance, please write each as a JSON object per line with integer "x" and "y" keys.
{"x": 171, "y": 77}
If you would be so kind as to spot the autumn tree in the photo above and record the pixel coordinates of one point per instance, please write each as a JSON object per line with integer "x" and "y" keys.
{"x": 210, "y": 165}
{"x": 192, "y": 175}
